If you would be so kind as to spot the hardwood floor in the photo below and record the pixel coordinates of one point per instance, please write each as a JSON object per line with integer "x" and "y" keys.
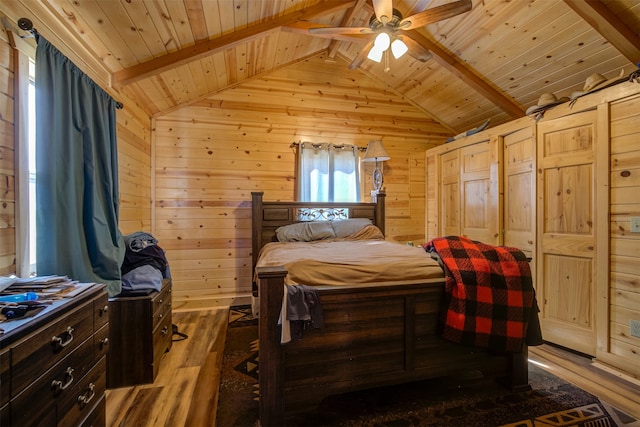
{"x": 185, "y": 392}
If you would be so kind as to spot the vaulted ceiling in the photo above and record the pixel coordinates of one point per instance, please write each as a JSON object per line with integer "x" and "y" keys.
{"x": 489, "y": 63}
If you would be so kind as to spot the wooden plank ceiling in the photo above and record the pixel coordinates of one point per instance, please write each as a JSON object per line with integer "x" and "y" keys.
{"x": 489, "y": 63}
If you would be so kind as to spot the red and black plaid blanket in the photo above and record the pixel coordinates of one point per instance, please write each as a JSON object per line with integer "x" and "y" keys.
{"x": 489, "y": 294}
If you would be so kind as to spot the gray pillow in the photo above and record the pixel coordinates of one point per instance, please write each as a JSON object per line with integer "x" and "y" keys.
{"x": 346, "y": 227}
{"x": 305, "y": 231}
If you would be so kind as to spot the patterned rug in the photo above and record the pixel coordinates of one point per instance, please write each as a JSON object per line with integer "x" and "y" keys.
{"x": 462, "y": 401}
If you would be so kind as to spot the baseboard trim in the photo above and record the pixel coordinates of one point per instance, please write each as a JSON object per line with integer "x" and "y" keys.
{"x": 221, "y": 301}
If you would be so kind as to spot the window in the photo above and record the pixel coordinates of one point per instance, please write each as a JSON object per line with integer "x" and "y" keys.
{"x": 328, "y": 173}
{"x": 32, "y": 165}
{"x": 24, "y": 132}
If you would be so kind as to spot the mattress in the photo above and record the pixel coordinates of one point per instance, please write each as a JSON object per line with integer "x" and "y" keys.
{"x": 351, "y": 262}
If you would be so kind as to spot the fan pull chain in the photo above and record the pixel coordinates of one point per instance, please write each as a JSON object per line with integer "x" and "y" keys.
{"x": 386, "y": 61}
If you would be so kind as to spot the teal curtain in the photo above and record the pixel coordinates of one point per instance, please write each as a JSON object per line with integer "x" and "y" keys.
{"x": 76, "y": 174}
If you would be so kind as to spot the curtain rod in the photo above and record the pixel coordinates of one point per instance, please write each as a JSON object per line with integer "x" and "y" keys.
{"x": 299, "y": 143}
{"x": 25, "y": 24}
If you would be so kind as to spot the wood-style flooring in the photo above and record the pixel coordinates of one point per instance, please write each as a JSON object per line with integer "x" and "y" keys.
{"x": 185, "y": 392}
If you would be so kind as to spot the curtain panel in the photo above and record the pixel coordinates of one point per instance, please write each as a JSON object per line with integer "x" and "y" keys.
{"x": 76, "y": 174}
{"x": 328, "y": 172}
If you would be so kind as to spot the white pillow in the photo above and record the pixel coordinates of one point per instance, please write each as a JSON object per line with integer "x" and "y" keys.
{"x": 346, "y": 227}
{"x": 305, "y": 231}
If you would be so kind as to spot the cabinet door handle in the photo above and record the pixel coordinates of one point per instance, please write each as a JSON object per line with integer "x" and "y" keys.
{"x": 165, "y": 330}
{"x": 104, "y": 342}
{"x": 104, "y": 309}
{"x": 64, "y": 339}
{"x": 88, "y": 395}
{"x": 58, "y": 385}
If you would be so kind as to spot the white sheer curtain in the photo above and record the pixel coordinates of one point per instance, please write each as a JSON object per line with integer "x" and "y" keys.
{"x": 328, "y": 173}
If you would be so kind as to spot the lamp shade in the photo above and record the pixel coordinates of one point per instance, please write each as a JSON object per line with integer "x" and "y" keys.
{"x": 375, "y": 152}
{"x": 382, "y": 41}
{"x": 375, "y": 54}
{"x": 398, "y": 48}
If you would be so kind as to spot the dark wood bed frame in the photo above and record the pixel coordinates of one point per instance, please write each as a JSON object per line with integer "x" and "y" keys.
{"x": 373, "y": 336}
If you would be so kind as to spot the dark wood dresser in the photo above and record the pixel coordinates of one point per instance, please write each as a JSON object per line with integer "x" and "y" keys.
{"x": 53, "y": 366}
{"x": 140, "y": 334}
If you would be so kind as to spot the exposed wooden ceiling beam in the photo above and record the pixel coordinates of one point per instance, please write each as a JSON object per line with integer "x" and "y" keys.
{"x": 460, "y": 70}
{"x": 154, "y": 66}
{"x": 596, "y": 14}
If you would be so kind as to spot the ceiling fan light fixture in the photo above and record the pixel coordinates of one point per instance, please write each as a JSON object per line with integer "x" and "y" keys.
{"x": 382, "y": 42}
{"x": 375, "y": 54}
{"x": 398, "y": 48}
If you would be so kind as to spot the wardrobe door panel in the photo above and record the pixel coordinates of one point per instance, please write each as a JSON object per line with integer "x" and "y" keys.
{"x": 567, "y": 249}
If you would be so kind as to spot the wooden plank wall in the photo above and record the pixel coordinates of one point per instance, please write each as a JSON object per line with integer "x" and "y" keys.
{"x": 134, "y": 167}
{"x": 625, "y": 246}
{"x": 210, "y": 156}
{"x": 7, "y": 172}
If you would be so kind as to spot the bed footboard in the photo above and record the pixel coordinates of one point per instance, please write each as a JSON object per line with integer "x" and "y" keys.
{"x": 271, "y": 364}
{"x": 374, "y": 336}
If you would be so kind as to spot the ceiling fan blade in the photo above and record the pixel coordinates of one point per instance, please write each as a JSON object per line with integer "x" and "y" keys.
{"x": 340, "y": 30}
{"x": 383, "y": 10}
{"x": 416, "y": 50}
{"x": 435, "y": 14}
{"x": 361, "y": 56}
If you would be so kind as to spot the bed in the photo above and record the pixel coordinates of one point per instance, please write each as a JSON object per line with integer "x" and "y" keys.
{"x": 379, "y": 334}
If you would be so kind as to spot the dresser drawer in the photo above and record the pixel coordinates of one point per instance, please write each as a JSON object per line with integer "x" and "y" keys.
{"x": 84, "y": 397}
{"x": 97, "y": 417}
{"x": 4, "y": 415}
{"x": 100, "y": 312}
{"x": 55, "y": 385}
{"x": 101, "y": 342}
{"x": 49, "y": 345}
{"x": 161, "y": 304}
{"x": 5, "y": 376}
{"x": 161, "y": 343}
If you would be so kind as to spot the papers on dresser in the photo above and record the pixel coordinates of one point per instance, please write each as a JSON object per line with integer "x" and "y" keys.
{"x": 46, "y": 287}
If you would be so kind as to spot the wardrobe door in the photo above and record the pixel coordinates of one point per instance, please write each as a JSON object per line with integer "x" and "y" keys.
{"x": 519, "y": 181}
{"x": 479, "y": 193}
{"x": 450, "y": 193}
{"x": 566, "y": 213}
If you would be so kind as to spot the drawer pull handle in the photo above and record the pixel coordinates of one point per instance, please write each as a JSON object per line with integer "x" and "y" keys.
{"x": 58, "y": 385}
{"x": 88, "y": 395}
{"x": 160, "y": 316}
{"x": 104, "y": 342}
{"x": 60, "y": 341}
{"x": 160, "y": 301}
{"x": 104, "y": 309}
{"x": 165, "y": 330}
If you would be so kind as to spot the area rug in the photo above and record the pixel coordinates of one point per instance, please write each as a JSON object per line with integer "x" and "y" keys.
{"x": 462, "y": 401}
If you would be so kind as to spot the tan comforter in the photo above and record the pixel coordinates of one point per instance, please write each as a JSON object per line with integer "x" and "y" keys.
{"x": 349, "y": 262}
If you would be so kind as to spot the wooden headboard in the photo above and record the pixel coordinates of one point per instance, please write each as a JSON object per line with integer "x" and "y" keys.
{"x": 268, "y": 216}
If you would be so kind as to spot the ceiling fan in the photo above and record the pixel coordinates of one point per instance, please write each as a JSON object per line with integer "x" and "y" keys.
{"x": 389, "y": 26}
